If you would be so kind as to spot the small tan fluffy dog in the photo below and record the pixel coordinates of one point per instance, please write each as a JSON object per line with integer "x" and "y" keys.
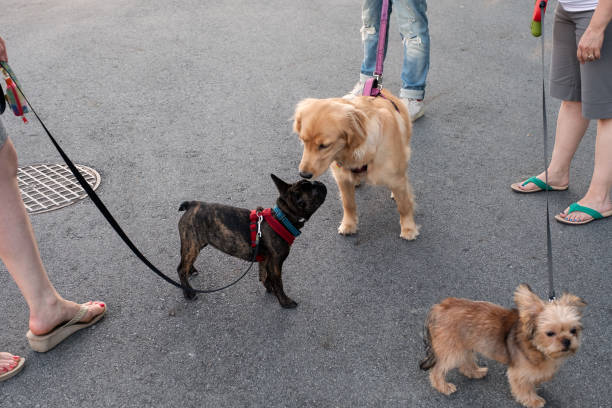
{"x": 533, "y": 341}
{"x": 363, "y": 139}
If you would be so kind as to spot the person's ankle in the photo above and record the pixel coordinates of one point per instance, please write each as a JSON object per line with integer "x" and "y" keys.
{"x": 46, "y": 313}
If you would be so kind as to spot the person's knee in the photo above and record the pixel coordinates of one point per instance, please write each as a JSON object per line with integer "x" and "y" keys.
{"x": 8, "y": 161}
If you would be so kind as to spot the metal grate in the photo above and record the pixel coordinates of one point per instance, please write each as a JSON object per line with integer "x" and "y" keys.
{"x": 47, "y": 187}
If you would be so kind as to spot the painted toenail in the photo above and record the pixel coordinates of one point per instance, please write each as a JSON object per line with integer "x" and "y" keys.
{"x": 16, "y": 357}
{"x": 102, "y": 305}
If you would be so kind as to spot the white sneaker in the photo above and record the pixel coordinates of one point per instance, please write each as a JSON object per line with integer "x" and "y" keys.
{"x": 416, "y": 108}
{"x": 358, "y": 88}
{"x": 356, "y": 91}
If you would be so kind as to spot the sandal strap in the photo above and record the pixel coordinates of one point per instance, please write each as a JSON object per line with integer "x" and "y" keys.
{"x": 577, "y": 207}
{"x": 538, "y": 183}
{"x": 77, "y": 317}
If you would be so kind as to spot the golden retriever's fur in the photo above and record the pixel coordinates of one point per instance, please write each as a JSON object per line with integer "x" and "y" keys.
{"x": 351, "y": 134}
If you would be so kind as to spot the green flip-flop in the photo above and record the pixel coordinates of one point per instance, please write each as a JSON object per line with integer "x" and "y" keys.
{"x": 541, "y": 186}
{"x": 595, "y": 215}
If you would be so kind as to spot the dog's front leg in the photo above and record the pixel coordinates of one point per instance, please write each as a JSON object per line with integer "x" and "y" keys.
{"x": 276, "y": 281}
{"x": 405, "y": 205}
{"x": 347, "y": 194}
{"x": 523, "y": 390}
{"x": 264, "y": 276}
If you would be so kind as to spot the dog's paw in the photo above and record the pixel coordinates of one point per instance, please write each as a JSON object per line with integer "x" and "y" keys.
{"x": 410, "y": 233}
{"x": 289, "y": 304}
{"x": 189, "y": 295}
{"x": 347, "y": 228}
{"x": 447, "y": 388}
{"x": 535, "y": 402}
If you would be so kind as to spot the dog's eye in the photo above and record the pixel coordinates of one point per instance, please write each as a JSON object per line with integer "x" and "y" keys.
{"x": 550, "y": 333}
{"x": 573, "y": 331}
{"x": 323, "y": 146}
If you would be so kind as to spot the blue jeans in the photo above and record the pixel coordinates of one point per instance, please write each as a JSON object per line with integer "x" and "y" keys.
{"x": 413, "y": 27}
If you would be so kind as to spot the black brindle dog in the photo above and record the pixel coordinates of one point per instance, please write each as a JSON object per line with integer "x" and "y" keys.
{"x": 228, "y": 229}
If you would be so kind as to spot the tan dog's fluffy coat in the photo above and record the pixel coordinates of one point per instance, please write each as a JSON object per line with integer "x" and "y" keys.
{"x": 363, "y": 139}
{"x": 533, "y": 341}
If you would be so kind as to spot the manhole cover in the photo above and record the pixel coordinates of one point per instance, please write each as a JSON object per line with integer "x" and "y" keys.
{"x": 46, "y": 187}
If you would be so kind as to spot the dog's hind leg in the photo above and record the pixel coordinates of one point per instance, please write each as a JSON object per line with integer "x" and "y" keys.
{"x": 470, "y": 368}
{"x": 437, "y": 375}
{"x": 189, "y": 252}
{"x": 405, "y": 205}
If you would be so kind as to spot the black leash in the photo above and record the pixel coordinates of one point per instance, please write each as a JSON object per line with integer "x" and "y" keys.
{"x": 551, "y": 287}
{"x": 111, "y": 220}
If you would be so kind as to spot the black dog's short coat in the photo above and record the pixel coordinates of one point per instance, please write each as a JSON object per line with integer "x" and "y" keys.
{"x": 227, "y": 229}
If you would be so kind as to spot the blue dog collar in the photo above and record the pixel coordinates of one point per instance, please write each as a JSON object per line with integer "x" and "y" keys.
{"x": 282, "y": 218}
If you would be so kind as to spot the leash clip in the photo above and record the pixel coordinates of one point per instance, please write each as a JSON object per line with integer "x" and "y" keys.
{"x": 259, "y": 220}
{"x": 378, "y": 80}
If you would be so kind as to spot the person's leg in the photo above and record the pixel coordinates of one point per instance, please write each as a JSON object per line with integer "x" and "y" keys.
{"x": 413, "y": 26}
{"x": 370, "y": 17}
{"x": 598, "y": 195}
{"x": 565, "y": 84}
{"x": 571, "y": 126}
{"x": 19, "y": 253}
{"x": 597, "y": 104}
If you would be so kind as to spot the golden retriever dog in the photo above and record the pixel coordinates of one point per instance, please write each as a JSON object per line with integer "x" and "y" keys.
{"x": 363, "y": 139}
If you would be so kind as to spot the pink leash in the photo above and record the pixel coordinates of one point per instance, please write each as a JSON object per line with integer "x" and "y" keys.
{"x": 373, "y": 85}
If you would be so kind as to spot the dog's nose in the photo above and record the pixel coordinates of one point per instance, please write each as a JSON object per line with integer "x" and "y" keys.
{"x": 305, "y": 174}
{"x": 566, "y": 343}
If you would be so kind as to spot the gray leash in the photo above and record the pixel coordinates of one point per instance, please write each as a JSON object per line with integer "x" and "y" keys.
{"x": 551, "y": 286}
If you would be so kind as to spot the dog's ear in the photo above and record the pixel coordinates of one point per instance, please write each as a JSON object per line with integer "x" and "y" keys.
{"x": 297, "y": 115}
{"x": 573, "y": 301}
{"x": 529, "y": 306}
{"x": 356, "y": 129}
{"x": 280, "y": 184}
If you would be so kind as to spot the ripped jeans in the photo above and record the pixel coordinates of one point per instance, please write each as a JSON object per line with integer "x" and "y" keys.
{"x": 412, "y": 21}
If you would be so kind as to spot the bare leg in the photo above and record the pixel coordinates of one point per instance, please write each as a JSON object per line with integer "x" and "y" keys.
{"x": 571, "y": 126}
{"x": 19, "y": 252}
{"x": 598, "y": 195}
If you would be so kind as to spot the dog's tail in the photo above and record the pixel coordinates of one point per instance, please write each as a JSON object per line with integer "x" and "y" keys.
{"x": 185, "y": 205}
{"x": 430, "y": 358}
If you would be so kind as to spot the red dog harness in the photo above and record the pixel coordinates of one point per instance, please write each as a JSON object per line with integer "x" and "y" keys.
{"x": 272, "y": 222}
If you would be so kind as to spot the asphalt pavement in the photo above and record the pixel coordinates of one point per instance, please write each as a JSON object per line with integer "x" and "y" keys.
{"x": 181, "y": 100}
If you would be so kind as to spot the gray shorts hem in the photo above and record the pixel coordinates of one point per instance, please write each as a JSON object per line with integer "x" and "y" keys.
{"x": 597, "y": 110}
{"x": 564, "y": 92}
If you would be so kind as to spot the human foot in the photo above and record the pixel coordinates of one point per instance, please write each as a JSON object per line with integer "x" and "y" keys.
{"x": 585, "y": 211}
{"x": 556, "y": 181}
{"x": 10, "y": 365}
{"x": 59, "y": 311}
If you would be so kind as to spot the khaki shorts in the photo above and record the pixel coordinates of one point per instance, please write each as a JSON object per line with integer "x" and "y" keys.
{"x": 589, "y": 83}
